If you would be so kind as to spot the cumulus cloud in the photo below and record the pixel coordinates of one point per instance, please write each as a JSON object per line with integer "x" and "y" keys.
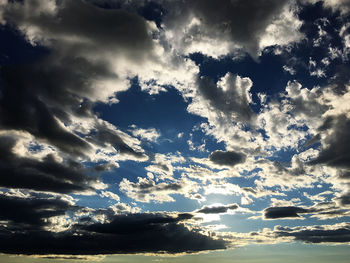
{"x": 335, "y": 152}
{"x": 150, "y": 134}
{"x": 229, "y": 97}
{"x": 146, "y": 189}
{"x": 196, "y": 26}
{"x": 53, "y": 143}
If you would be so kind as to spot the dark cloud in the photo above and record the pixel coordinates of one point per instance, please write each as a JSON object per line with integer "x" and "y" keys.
{"x": 148, "y": 186}
{"x": 103, "y": 136}
{"x": 32, "y": 97}
{"x": 36, "y": 96}
{"x": 345, "y": 198}
{"x": 339, "y": 233}
{"x": 228, "y": 158}
{"x": 335, "y": 146}
{"x": 41, "y": 97}
{"x": 41, "y": 175}
{"x": 322, "y": 210}
{"x": 229, "y": 96}
{"x": 81, "y": 27}
{"x": 217, "y": 209}
{"x": 31, "y": 213}
{"x": 284, "y": 212}
{"x": 240, "y": 21}
{"x": 133, "y": 233}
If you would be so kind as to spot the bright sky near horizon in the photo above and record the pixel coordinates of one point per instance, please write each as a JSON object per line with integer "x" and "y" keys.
{"x": 174, "y": 131}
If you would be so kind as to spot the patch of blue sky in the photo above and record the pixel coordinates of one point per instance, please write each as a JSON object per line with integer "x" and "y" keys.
{"x": 166, "y": 112}
{"x": 127, "y": 169}
{"x": 217, "y": 198}
{"x": 35, "y": 147}
{"x": 266, "y": 74}
{"x": 93, "y": 201}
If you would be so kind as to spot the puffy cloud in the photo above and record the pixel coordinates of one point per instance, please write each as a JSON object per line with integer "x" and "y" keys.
{"x": 150, "y": 134}
{"x": 110, "y": 195}
{"x": 228, "y": 98}
{"x": 334, "y": 151}
{"x": 337, "y": 5}
{"x": 146, "y": 189}
{"x": 196, "y": 26}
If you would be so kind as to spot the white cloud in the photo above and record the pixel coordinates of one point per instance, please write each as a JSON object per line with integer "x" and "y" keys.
{"x": 150, "y": 134}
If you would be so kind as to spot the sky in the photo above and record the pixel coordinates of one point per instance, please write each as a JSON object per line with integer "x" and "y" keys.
{"x": 174, "y": 131}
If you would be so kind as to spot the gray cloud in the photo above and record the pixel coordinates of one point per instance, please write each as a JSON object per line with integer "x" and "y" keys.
{"x": 284, "y": 212}
{"x": 230, "y": 95}
{"x": 339, "y": 233}
{"x": 228, "y": 158}
{"x": 31, "y": 213}
{"x": 217, "y": 209}
{"x": 42, "y": 175}
{"x": 238, "y": 22}
{"x": 79, "y": 27}
{"x": 124, "y": 234}
{"x": 335, "y": 151}
{"x": 42, "y": 97}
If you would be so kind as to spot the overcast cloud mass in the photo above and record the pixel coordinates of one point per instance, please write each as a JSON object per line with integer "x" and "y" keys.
{"x": 172, "y": 128}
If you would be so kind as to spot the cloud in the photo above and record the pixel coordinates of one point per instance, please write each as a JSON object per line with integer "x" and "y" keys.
{"x": 146, "y": 189}
{"x": 337, "y": 5}
{"x": 226, "y": 158}
{"x": 46, "y": 174}
{"x": 56, "y": 92}
{"x": 315, "y": 234}
{"x": 150, "y": 134}
{"x": 334, "y": 151}
{"x": 322, "y": 210}
{"x": 124, "y": 234}
{"x": 229, "y": 97}
{"x": 110, "y": 195}
{"x": 109, "y": 31}
{"x": 284, "y": 212}
{"x": 217, "y": 209}
{"x": 33, "y": 212}
{"x": 337, "y": 233}
{"x": 104, "y": 134}
{"x": 196, "y": 26}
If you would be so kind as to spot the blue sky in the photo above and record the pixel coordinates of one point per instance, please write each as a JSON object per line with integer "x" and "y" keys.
{"x": 173, "y": 131}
